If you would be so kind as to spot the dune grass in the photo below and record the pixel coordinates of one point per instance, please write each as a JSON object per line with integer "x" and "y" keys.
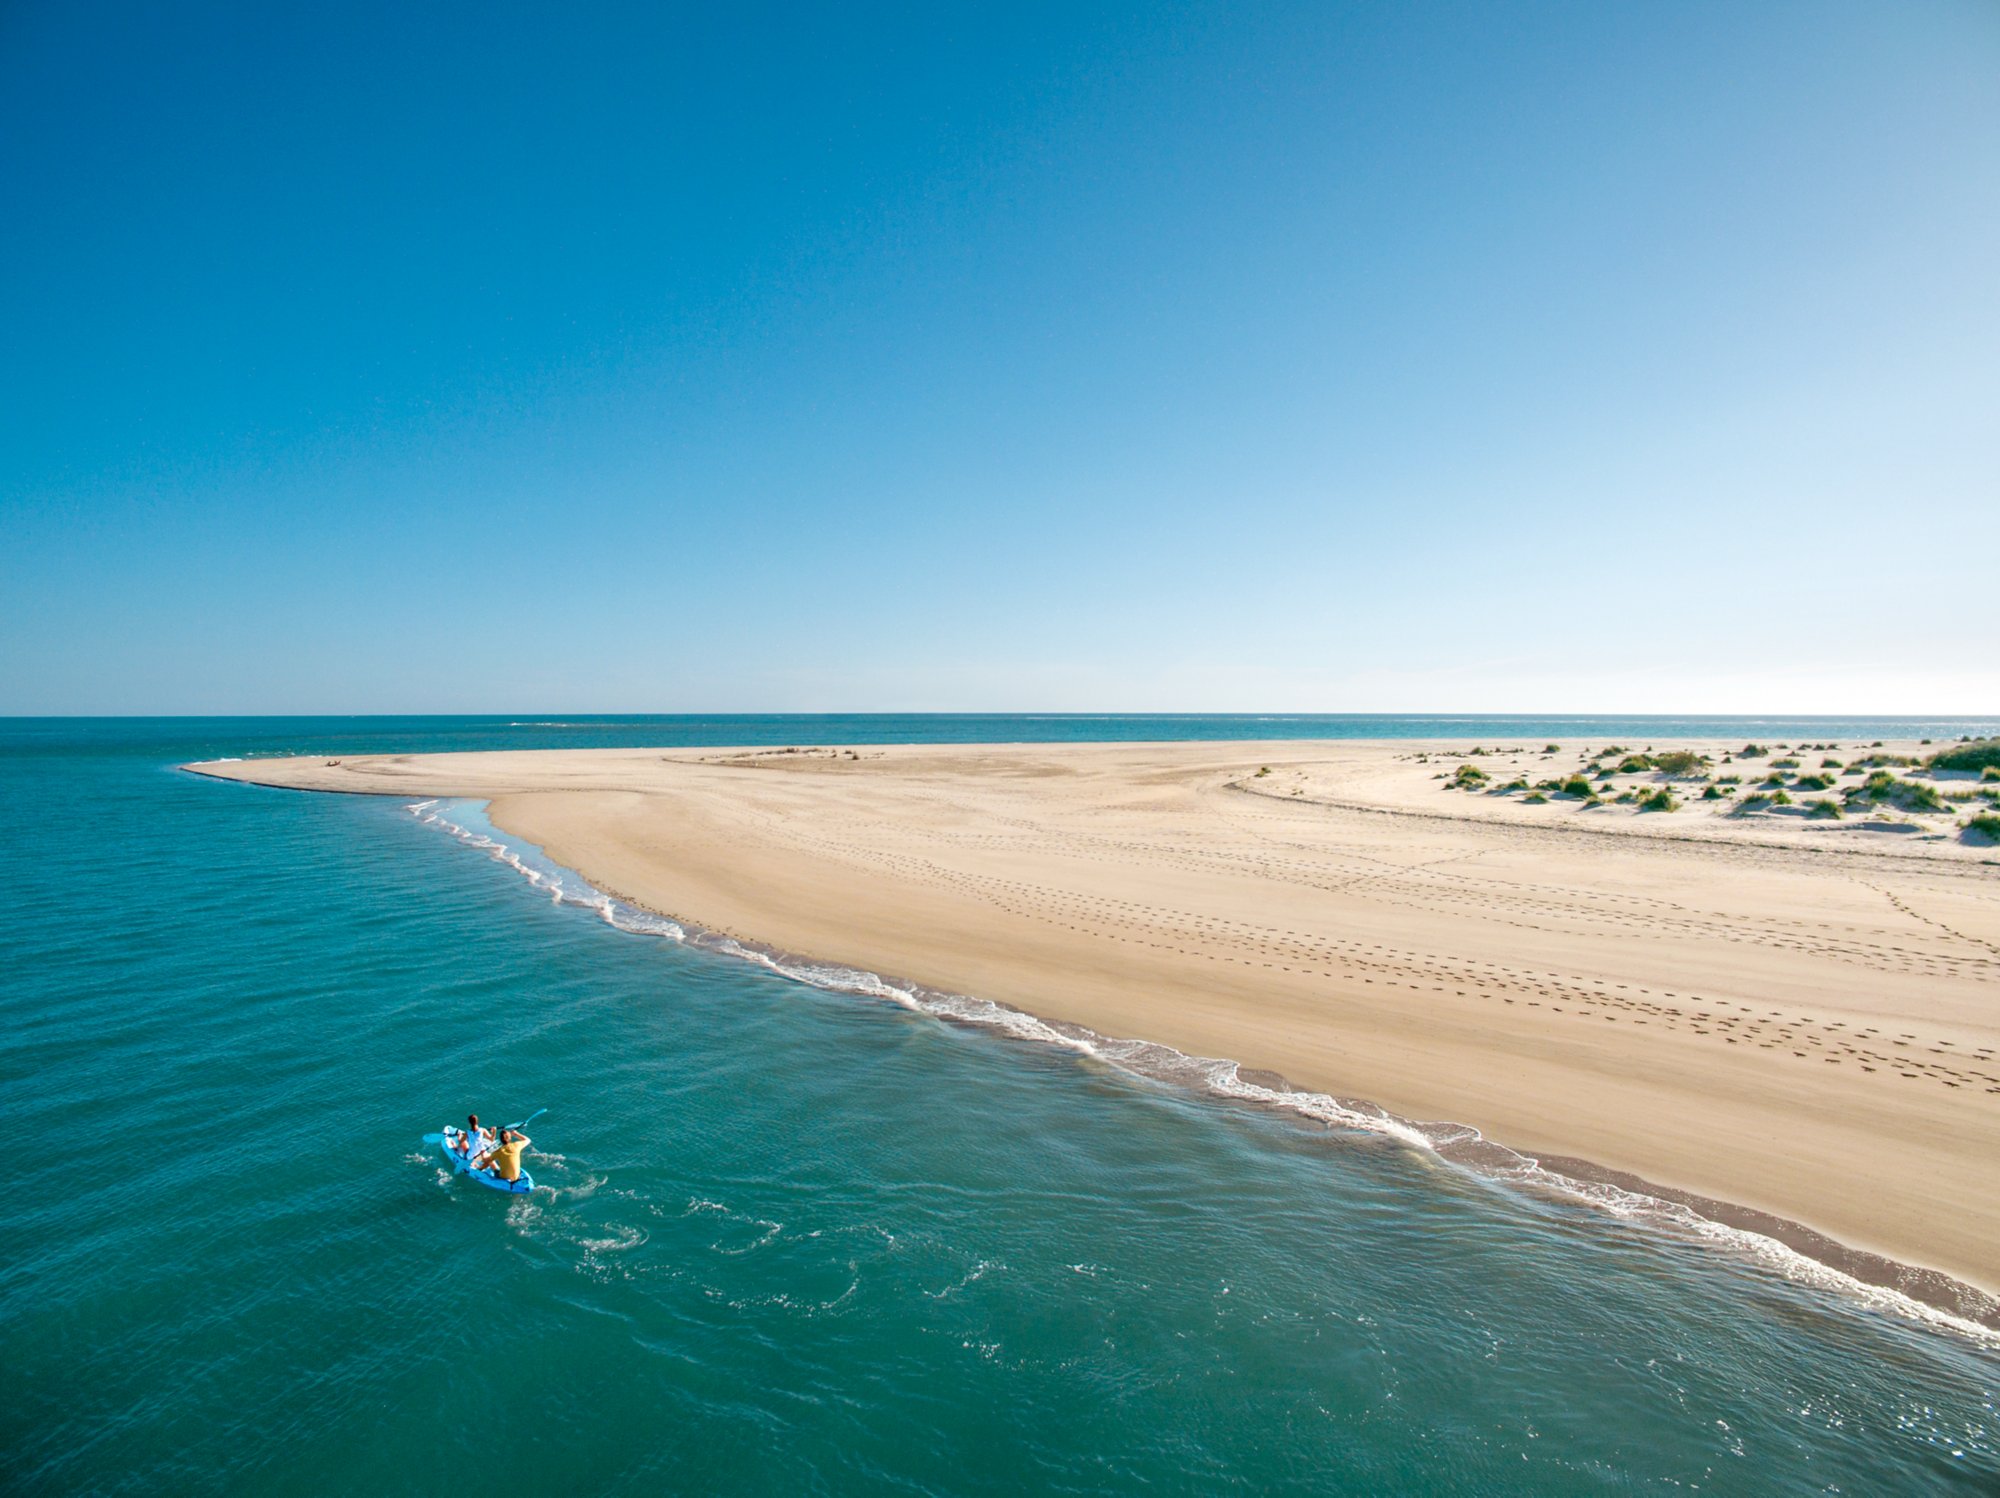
{"x": 1979, "y": 754}
{"x": 1911, "y": 795}
{"x": 1680, "y": 762}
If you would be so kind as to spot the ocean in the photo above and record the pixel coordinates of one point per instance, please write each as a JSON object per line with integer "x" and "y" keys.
{"x": 789, "y": 1237}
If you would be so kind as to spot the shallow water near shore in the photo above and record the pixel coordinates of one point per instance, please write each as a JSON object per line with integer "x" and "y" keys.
{"x": 788, "y": 1238}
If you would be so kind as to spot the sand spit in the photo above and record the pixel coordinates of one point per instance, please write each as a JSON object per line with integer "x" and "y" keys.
{"x": 1799, "y": 1018}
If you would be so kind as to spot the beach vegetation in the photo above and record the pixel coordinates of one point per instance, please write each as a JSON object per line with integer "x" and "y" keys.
{"x": 1552, "y": 748}
{"x": 1680, "y": 762}
{"x": 1922, "y": 797}
{"x": 1829, "y": 764}
{"x": 1729, "y": 780}
{"x": 1912, "y": 795}
{"x": 1986, "y": 825}
{"x": 1262, "y": 771}
{"x": 1469, "y": 777}
{"x": 1713, "y": 793}
{"x": 1610, "y": 751}
{"x": 1635, "y": 764}
{"x": 1576, "y": 785}
{"x": 1776, "y": 777}
{"x": 1824, "y": 808}
{"x": 1815, "y": 782}
{"x": 1534, "y": 798}
{"x": 1991, "y": 772}
{"x": 1753, "y": 751}
{"x": 1660, "y": 800}
{"x": 1787, "y": 763}
{"x": 1780, "y": 798}
{"x": 1982, "y": 755}
{"x": 1518, "y": 783}
{"x": 1626, "y": 798}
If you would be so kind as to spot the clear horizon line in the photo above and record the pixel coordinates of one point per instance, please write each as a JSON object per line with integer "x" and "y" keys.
{"x": 1438, "y": 713}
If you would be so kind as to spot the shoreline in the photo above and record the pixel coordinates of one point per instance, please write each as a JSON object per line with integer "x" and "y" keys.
{"x": 1793, "y": 1250}
{"x": 1926, "y": 1295}
{"x": 538, "y": 798}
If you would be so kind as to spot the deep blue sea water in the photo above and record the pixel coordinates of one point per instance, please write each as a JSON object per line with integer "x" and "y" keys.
{"x": 790, "y": 1240}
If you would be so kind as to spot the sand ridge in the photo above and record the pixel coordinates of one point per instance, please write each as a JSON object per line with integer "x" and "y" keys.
{"x": 1803, "y": 1023}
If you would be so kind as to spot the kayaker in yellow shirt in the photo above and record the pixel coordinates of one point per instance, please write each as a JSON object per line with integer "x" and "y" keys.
{"x": 505, "y": 1156}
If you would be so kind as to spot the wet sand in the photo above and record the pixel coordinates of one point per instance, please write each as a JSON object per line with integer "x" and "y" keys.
{"x": 1801, "y": 1022}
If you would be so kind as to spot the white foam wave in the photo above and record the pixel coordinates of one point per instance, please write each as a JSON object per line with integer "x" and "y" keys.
{"x": 1457, "y": 1145}
{"x": 563, "y": 886}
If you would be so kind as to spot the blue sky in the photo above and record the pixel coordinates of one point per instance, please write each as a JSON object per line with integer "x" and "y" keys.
{"x": 1581, "y": 357}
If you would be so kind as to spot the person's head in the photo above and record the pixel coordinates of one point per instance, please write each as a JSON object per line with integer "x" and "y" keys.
{"x": 507, "y": 1136}
{"x": 472, "y": 1121}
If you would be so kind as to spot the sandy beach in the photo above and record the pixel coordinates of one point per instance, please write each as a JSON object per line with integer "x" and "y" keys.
{"x": 1798, "y": 1017}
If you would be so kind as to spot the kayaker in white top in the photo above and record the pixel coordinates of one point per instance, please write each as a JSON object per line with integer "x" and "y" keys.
{"x": 474, "y": 1139}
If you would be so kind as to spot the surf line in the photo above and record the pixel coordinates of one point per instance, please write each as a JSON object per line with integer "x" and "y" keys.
{"x": 1791, "y": 1250}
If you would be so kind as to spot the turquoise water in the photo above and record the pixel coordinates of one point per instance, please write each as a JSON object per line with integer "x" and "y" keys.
{"x": 791, "y": 1239}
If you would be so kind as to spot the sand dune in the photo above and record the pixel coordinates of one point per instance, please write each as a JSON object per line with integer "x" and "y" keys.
{"x": 1803, "y": 1021}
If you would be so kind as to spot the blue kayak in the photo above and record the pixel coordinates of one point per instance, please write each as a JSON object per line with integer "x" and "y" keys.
{"x": 452, "y": 1142}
